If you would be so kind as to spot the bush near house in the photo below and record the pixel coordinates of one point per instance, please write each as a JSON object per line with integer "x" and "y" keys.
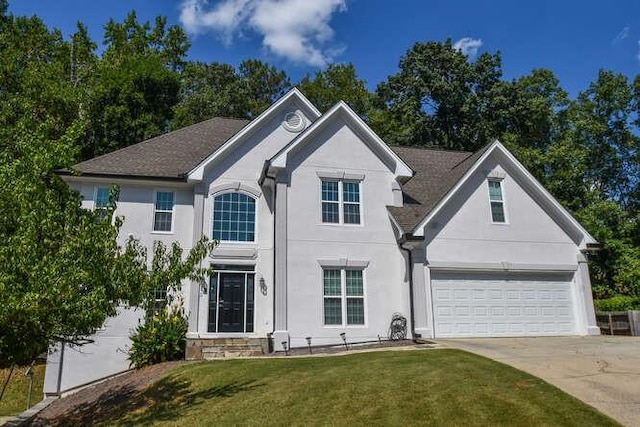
{"x": 618, "y": 303}
{"x": 160, "y": 339}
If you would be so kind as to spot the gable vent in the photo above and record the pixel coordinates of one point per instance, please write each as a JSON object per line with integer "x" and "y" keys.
{"x": 293, "y": 122}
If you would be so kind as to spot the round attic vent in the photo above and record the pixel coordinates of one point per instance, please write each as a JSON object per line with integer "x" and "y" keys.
{"x": 293, "y": 122}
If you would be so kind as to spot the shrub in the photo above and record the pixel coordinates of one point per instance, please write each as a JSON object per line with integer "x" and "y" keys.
{"x": 160, "y": 339}
{"x": 618, "y": 303}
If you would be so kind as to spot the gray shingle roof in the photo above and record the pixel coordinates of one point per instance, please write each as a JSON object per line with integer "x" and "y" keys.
{"x": 436, "y": 173}
{"x": 168, "y": 156}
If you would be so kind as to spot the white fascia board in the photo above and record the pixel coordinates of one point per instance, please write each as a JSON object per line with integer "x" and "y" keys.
{"x": 400, "y": 231}
{"x": 197, "y": 173}
{"x": 401, "y": 168}
{"x": 497, "y": 145}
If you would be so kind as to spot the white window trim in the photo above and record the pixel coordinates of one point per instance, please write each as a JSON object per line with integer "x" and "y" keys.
{"x": 343, "y": 298}
{"x": 225, "y": 190}
{"x": 500, "y": 181}
{"x": 173, "y": 211}
{"x": 341, "y": 201}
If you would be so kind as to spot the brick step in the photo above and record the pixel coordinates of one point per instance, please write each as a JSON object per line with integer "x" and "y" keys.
{"x": 229, "y": 354}
{"x": 216, "y": 348}
{"x": 236, "y": 347}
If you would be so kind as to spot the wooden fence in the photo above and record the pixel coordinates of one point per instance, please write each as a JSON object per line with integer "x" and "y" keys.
{"x": 618, "y": 322}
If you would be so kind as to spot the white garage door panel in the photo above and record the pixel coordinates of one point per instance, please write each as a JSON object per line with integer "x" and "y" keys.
{"x": 486, "y": 305}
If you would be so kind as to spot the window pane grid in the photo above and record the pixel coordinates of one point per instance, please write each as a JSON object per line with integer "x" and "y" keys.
{"x": 354, "y": 285}
{"x": 495, "y": 191}
{"x": 162, "y": 221}
{"x": 497, "y": 201}
{"x": 163, "y": 215}
{"x": 343, "y": 292}
{"x": 355, "y": 311}
{"x": 351, "y": 213}
{"x": 330, "y": 191}
{"x": 102, "y": 197}
{"x": 330, "y": 212}
{"x": 341, "y": 198}
{"x": 164, "y": 201}
{"x": 332, "y": 283}
{"x": 497, "y": 212}
{"x": 351, "y": 192}
{"x": 332, "y": 311}
{"x": 234, "y": 217}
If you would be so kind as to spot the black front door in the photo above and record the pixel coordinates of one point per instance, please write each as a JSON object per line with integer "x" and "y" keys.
{"x": 231, "y": 302}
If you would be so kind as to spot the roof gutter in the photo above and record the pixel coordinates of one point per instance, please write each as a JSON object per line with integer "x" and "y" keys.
{"x": 67, "y": 172}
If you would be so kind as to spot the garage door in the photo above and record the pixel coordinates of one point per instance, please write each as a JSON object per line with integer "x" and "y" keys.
{"x": 495, "y": 305}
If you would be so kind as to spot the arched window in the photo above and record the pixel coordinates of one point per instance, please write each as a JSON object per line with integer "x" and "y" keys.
{"x": 234, "y": 217}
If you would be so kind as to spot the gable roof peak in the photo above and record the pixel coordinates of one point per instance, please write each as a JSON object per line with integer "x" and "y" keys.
{"x": 400, "y": 169}
{"x": 197, "y": 173}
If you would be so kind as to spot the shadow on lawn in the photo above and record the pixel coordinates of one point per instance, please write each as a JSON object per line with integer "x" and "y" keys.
{"x": 162, "y": 401}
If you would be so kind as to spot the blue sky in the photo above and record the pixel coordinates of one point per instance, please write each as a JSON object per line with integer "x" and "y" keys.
{"x": 572, "y": 38}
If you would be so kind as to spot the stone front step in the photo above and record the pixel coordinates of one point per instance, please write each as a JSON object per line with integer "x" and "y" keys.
{"x": 217, "y": 348}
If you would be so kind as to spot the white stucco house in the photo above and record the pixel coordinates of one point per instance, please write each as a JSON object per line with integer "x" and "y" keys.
{"x": 324, "y": 229}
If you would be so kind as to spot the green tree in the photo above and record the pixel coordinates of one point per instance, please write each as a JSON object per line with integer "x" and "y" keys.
{"x": 592, "y": 168}
{"x": 208, "y": 90}
{"x": 261, "y": 85}
{"x": 338, "y": 82}
{"x": 34, "y": 75}
{"x": 135, "y": 85}
{"x": 55, "y": 258}
{"x": 62, "y": 272}
{"x": 528, "y": 113}
{"x": 439, "y": 98}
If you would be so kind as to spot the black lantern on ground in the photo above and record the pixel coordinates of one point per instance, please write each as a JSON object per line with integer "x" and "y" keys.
{"x": 344, "y": 340}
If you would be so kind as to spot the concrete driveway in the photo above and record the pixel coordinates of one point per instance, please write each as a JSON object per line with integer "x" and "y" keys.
{"x": 603, "y": 371}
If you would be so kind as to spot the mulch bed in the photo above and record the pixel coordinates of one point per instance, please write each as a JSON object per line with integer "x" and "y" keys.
{"x": 371, "y": 345}
{"x": 78, "y": 408}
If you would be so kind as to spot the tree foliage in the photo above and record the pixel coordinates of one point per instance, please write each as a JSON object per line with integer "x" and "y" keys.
{"x": 338, "y": 82}
{"x": 440, "y": 98}
{"x": 133, "y": 88}
{"x": 210, "y": 90}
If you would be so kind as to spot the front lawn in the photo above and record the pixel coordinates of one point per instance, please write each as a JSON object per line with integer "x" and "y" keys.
{"x": 14, "y": 400}
{"x": 433, "y": 387}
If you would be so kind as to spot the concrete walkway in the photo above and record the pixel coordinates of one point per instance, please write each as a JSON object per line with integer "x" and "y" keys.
{"x": 603, "y": 371}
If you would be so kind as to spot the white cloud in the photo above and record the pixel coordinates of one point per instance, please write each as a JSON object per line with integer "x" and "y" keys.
{"x": 468, "y": 46}
{"x": 297, "y": 30}
{"x": 623, "y": 34}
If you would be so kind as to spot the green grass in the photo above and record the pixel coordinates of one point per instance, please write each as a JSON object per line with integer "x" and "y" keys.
{"x": 14, "y": 400}
{"x": 430, "y": 387}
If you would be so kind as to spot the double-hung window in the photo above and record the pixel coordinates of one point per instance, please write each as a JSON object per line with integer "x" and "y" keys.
{"x": 163, "y": 212}
{"x": 340, "y": 202}
{"x": 102, "y": 200}
{"x": 497, "y": 201}
{"x": 343, "y": 291}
